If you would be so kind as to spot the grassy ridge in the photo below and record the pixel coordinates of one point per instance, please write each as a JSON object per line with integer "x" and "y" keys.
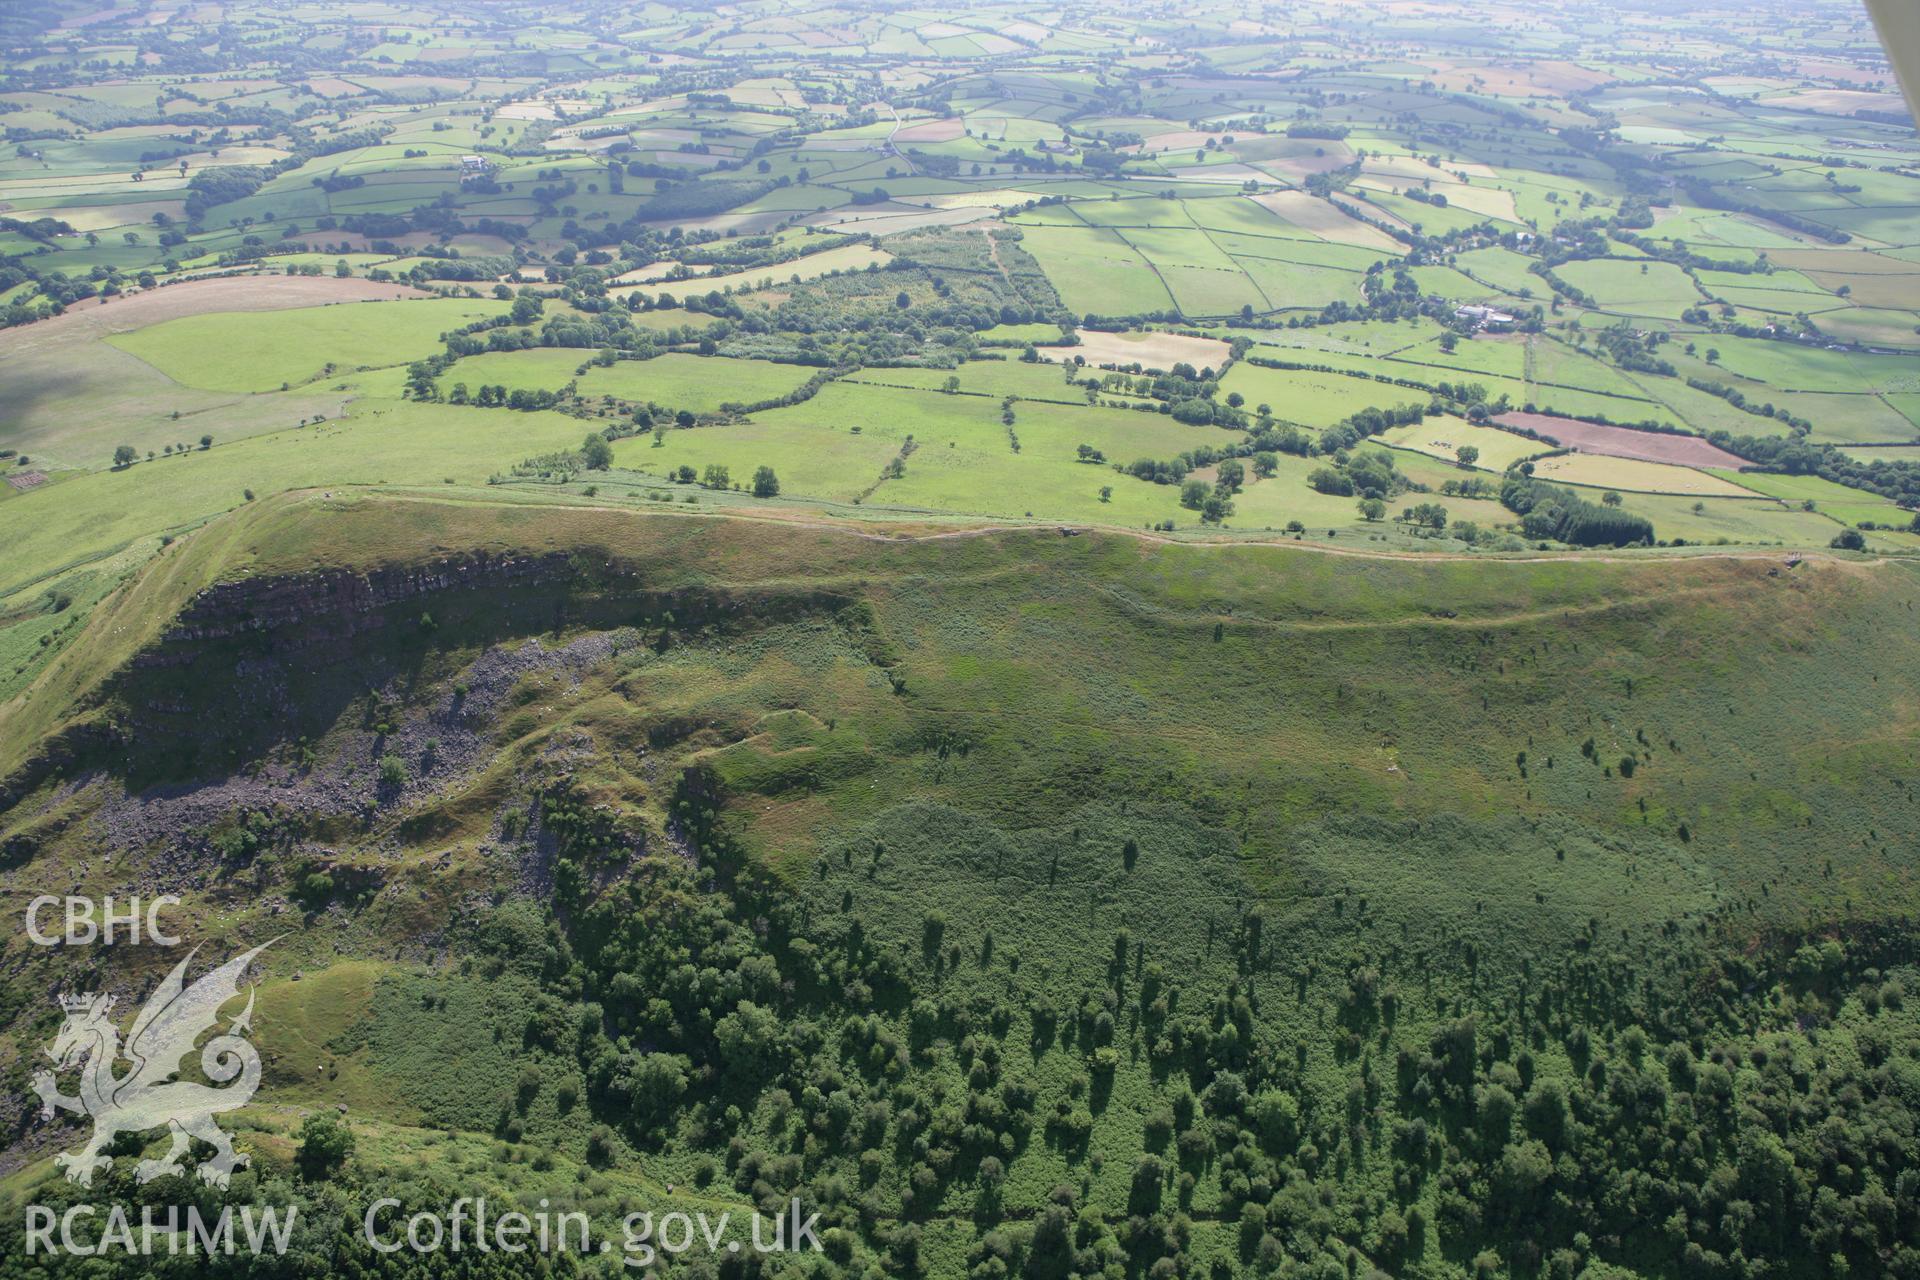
{"x": 954, "y": 778}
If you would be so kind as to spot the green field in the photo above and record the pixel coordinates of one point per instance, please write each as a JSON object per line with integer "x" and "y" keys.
{"x": 1311, "y": 397}
{"x": 272, "y": 350}
{"x": 962, "y": 459}
{"x": 379, "y": 442}
{"x": 69, "y": 407}
{"x": 1654, "y": 289}
{"x": 997, "y": 378}
{"x": 689, "y": 381}
{"x": 1443, "y": 438}
{"x": 1637, "y": 475}
{"x": 673, "y": 379}
{"x": 1798, "y": 487}
{"x": 1097, "y": 271}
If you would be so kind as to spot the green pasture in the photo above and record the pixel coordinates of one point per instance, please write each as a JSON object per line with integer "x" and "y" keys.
{"x": 265, "y": 351}
{"x": 1444, "y": 437}
{"x": 378, "y": 442}
{"x": 1653, "y": 289}
{"x": 1096, "y": 271}
{"x": 699, "y": 383}
{"x": 996, "y": 378}
{"x": 69, "y": 405}
{"x": 1802, "y": 489}
{"x": 674, "y": 380}
{"x": 1874, "y": 327}
{"x": 1312, "y": 398}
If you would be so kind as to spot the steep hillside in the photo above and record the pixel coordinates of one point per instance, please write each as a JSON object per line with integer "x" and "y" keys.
{"x": 1252, "y": 904}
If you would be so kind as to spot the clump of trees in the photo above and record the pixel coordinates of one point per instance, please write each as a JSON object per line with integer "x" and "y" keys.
{"x": 1549, "y": 512}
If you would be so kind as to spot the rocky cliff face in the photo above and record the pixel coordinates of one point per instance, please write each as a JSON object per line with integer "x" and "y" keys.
{"x": 302, "y": 610}
{"x": 255, "y": 647}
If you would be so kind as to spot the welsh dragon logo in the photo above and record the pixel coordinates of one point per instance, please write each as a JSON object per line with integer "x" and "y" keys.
{"x": 146, "y": 1096}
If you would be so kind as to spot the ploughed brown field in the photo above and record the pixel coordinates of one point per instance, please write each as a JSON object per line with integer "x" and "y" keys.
{"x": 1624, "y": 442}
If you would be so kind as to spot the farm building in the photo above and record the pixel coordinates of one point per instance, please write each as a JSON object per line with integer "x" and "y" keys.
{"x": 1484, "y": 317}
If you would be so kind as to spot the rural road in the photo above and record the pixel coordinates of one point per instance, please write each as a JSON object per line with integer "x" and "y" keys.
{"x": 892, "y": 146}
